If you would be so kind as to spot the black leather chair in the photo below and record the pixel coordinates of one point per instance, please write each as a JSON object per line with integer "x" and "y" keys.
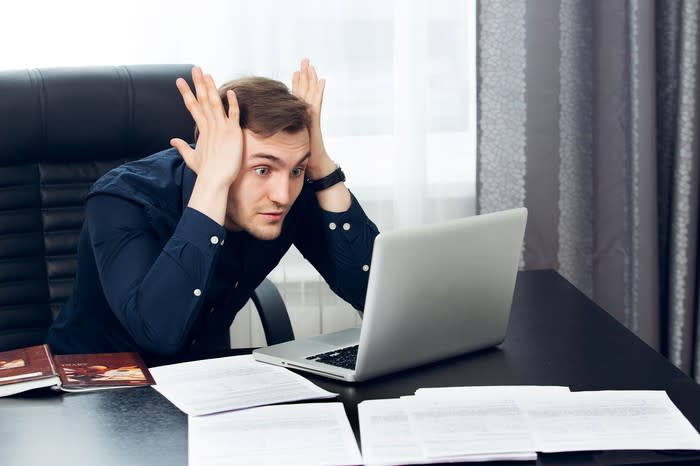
{"x": 61, "y": 129}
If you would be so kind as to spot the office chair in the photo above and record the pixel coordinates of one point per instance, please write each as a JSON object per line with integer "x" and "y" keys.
{"x": 62, "y": 128}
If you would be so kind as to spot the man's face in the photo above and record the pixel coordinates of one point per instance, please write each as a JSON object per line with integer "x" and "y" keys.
{"x": 268, "y": 183}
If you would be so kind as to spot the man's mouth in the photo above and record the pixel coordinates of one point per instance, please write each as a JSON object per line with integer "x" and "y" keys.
{"x": 273, "y": 216}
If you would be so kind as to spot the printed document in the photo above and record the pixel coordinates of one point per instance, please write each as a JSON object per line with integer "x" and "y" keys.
{"x": 455, "y": 421}
{"x": 387, "y": 438}
{"x": 511, "y": 423}
{"x": 299, "y": 434}
{"x": 236, "y": 382}
{"x": 611, "y": 420}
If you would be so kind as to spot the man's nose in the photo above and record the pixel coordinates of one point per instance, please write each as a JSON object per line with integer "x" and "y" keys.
{"x": 279, "y": 191}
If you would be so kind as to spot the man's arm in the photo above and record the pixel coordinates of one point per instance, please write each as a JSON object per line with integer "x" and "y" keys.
{"x": 307, "y": 87}
{"x": 216, "y": 159}
{"x": 339, "y": 245}
{"x": 336, "y": 235}
{"x": 156, "y": 291}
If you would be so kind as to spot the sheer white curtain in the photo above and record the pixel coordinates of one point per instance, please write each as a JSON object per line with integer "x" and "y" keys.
{"x": 399, "y": 110}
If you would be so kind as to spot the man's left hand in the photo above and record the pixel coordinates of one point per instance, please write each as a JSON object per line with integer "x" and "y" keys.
{"x": 307, "y": 87}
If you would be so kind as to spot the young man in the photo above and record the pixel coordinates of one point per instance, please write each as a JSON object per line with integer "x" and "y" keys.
{"x": 174, "y": 245}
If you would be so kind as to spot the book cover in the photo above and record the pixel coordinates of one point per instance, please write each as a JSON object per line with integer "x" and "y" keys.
{"x": 27, "y": 368}
{"x": 105, "y": 370}
{"x": 37, "y": 367}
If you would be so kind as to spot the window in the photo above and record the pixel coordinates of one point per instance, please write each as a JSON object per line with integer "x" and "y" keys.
{"x": 399, "y": 111}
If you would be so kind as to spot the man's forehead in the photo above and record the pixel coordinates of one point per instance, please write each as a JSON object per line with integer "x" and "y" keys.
{"x": 279, "y": 148}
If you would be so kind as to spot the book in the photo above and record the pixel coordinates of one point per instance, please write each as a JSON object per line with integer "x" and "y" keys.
{"x": 37, "y": 367}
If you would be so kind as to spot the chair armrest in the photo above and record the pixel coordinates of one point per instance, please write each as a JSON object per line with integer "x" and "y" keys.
{"x": 273, "y": 313}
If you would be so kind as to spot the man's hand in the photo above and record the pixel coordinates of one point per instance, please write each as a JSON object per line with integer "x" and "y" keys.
{"x": 307, "y": 87}
{"x": 217, "y": 155}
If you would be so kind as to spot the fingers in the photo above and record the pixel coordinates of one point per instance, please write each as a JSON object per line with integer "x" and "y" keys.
{"x": 307, "y": 86}
{"x": 295, "y": 84}
{"x": 204, "y": 105}
{"x": 233, "y": 110}
{"x": 215, "y": 105}
{"x": 190, "y": 102}
{"x": 315, "y": 89}
{"x": 186, "y": 152}
{"x": 318, "y": 97}
{"x": 304, "y": 78}
{"x": 311, "y": 72}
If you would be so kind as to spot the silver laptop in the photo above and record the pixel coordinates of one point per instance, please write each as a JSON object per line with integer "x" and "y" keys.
{"x": 434, "y": 292}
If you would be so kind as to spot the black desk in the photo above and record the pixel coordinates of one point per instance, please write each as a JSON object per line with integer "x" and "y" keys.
{"x": 556, "y": 337}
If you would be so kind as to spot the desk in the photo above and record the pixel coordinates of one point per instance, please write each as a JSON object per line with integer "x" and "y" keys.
{"x": 556, "y": 337}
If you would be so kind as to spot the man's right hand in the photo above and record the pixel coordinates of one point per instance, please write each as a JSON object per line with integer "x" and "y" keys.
{"x": 219, "y": 145}
{"x": 217, "y": 155}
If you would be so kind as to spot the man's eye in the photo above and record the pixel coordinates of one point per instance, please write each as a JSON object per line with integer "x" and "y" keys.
{"x": 297, "y": 172}
{"x": 262, "y": 171}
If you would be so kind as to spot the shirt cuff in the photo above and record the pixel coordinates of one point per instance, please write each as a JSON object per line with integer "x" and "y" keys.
{"x": 353, "y": 223}
{"x": 354, "y": 213}
{"x": 200, "y": 230}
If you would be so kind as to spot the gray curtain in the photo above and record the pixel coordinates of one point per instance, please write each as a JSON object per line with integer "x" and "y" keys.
{"x": 588, "y": 115}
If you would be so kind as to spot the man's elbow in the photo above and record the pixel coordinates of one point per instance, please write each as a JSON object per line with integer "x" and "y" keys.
{"x": 156, "y": 339}
{"x": 161, "y": 337}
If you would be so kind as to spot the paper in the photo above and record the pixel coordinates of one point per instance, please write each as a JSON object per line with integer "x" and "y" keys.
{"x": 471, "y": 425}
{"x": 303, "y": 434}
{"x": 462, "y": 420}
{"x": 454, "y": 421}
{"x": 386, "y": 434}
{"x": 387, "y": 437}
{"x": 611, "y": 420}
{"x": 236, "y": 382}
{"x": 499, "y": 391}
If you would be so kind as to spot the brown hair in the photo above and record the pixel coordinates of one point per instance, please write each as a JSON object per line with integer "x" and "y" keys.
{"x": 266, "y": 106}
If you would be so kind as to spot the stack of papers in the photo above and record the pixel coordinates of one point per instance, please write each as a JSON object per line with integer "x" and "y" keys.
{"x": 513, "y": 423}
{"x": 229, "y": 420}
{"x": 215, "y": 392}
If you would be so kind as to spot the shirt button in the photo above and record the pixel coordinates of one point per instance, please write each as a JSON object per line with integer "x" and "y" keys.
{"x": 222, "y": 242}
{"x": 365, "y": 267}
{"x": 197, "y": 292}
{"x": 346, "y": 226}
{"x": 214, "y": 240}
{"x": 331, "y": 226}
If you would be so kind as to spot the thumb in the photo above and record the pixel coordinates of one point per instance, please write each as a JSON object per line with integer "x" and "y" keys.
{"x": 186, "y": 152}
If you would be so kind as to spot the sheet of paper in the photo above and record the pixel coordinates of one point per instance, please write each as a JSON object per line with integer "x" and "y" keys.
{"x": 303, "y": 434}
{"x": 610, "y": 420}
{"x": 519, "y": 391}
{"x": 387, "y": 437}
{"x": 224, "y": 384}
{"x": 456, "y": 421}
{"x": 469, "y": 425}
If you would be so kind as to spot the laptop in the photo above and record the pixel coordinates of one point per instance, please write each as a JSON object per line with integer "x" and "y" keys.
{"x": 435, "y": 291}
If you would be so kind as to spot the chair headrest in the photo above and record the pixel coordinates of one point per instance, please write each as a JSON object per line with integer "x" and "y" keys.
{"x": 78, "y": 114}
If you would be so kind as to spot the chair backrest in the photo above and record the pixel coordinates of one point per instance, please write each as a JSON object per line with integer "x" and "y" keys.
{"x": 62, "y": 128}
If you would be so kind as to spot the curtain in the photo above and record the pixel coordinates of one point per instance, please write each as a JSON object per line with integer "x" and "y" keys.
{"x": 397, "y": 116}
{"x": 588, "y": 116}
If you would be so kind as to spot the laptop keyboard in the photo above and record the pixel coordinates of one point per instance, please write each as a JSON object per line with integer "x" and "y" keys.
{"x": 343, "y": 357}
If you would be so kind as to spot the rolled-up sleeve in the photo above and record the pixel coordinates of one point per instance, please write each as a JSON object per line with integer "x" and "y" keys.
{"x": 339, "y": 245}
{"x": 156, "y": 291}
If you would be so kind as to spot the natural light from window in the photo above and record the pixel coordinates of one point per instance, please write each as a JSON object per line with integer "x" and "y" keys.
{"x": 399, "y": 110}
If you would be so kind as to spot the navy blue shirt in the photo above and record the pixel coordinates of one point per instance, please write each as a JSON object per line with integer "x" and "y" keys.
{"x": 160, "y": 278}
